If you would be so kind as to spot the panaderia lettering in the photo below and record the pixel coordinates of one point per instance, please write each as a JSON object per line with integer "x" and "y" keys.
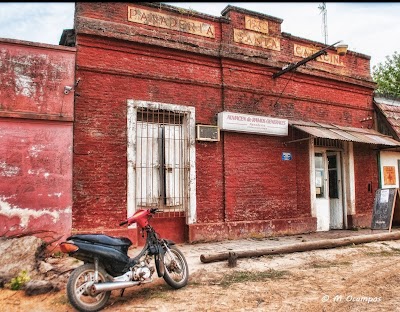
{"x": 151, "y": 18}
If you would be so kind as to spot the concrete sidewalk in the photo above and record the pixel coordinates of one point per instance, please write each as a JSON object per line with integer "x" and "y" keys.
{"x": 193, "y": 252}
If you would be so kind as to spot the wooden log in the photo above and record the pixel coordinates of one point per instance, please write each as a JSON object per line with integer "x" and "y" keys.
{"x": 304, "y": 246}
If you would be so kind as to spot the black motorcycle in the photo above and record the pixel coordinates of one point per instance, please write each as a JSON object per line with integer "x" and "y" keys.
{"x": 108, "y": 267}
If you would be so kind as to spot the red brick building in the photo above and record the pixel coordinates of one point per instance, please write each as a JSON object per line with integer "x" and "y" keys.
{"x": 180, "y": 110}
{"x": 36, "y": 123}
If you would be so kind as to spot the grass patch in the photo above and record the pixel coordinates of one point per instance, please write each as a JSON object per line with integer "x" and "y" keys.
{"x": 247, "y": 276}
{"x": 63, "y": 300}
{"x": 328, "y": 264}
{"x": 385, "y": 253}
{"x": 147, "y": 293}
{"x": 19, "y": 281}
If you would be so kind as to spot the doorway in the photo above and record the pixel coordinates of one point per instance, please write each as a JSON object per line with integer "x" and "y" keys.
{"x": 328, "y": 190}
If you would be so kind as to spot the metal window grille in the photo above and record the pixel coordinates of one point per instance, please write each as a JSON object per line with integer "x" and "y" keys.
{"x": 162, "y": 166}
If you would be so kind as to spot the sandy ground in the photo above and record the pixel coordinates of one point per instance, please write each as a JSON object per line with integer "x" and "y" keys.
{"x": 354, "y": 278}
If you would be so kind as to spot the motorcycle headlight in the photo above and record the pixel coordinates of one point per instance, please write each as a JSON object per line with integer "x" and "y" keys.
{"x": 68, "y": 247}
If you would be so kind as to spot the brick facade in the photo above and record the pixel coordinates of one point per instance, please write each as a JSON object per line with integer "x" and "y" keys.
{"x": 243, "y": 187}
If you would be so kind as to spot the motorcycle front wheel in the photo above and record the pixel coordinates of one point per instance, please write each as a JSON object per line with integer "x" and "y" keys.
{"x": 77, "y": 289}
{"x": 176, "y": 269}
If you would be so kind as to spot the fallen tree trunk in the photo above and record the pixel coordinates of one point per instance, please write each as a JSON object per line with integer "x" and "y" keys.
{"x": 304, "y": 246}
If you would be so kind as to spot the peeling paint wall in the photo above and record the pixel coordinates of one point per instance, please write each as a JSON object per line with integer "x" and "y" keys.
{"x": 33, "y": 78}
{"x": 35, "y": 139}
{"x": 36, "y": 175}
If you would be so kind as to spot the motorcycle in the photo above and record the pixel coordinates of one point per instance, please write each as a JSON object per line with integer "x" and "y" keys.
{"x": 108, "y": 267}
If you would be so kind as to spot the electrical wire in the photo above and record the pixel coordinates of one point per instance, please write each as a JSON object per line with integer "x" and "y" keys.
{"x": 289, "y": 79}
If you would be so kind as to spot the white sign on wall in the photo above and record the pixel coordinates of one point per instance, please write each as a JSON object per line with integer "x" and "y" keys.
{"x": 252, "y": 124}
{"x": 389, "y": 169}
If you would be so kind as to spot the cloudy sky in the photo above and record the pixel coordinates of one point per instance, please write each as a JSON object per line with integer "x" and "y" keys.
{"x": 368, "y": 28}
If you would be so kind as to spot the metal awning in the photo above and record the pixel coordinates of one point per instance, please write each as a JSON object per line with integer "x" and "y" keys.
{"x": 335, "y": 132}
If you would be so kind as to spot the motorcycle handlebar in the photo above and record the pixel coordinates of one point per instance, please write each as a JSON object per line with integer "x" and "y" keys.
{"x": 123, "y": 223}
{"x": 152, "y": 211}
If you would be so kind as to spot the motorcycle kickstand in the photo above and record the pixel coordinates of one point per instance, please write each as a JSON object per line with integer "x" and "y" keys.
{"x": 122, "y": 292}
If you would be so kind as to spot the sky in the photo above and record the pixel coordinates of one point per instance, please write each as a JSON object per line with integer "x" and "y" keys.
{"x": 370, "y": 28}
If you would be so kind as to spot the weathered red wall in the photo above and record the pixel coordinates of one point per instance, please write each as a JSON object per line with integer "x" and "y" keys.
{"x": 100, "y": 171}
{"x": 243, "y": 185}
{"x": 367, "y": 174}
{"x": 36, "y": 139}
{"x": 33, "y": 77}
{"x": 35, "y": 170}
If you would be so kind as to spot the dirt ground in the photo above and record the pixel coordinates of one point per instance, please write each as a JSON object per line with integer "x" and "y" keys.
{"x": 353, "y": 278}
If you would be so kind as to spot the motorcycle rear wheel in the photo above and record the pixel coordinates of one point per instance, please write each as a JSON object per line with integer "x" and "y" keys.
{"x": 77, "y": 292}
{"x": 176, "y": 269}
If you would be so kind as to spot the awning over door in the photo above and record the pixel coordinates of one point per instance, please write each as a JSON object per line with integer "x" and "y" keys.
{"x": 331, "y": 131}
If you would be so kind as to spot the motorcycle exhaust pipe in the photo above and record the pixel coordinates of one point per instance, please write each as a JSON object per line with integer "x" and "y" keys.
{"x": 101, "y": 287}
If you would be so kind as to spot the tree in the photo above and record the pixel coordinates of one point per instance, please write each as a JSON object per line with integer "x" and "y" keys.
{"x": 387, "y": 77}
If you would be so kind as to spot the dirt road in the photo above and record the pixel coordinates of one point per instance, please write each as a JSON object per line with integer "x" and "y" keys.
{"x": 355, "y": 278}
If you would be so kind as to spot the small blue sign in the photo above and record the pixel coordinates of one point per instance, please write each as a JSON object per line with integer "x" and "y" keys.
{"x": 286, "y": 156}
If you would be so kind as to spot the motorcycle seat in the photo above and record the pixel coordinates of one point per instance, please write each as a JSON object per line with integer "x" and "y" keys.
{"x": 102, "y": 239}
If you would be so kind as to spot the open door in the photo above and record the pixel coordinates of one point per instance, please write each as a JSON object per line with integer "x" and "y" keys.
{"x": 321, "y": 200}
{"x": 328, "y": 190}
{"x": 335, "y": 190}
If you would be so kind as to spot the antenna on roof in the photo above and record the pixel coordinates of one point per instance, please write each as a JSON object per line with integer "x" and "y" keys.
{"x": 324, "y": 12}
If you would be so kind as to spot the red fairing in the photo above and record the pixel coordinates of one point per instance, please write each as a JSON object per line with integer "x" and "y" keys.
{"x": 140, "y": 217}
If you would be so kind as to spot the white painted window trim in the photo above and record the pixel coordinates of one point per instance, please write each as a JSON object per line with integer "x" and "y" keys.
{"x": 189, "y": 111}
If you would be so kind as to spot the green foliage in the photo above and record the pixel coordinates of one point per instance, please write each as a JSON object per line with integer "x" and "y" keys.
{"x": 58, "y": 254}
{"x": 387, "y": 77}
{"x": 19, "y": 281}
